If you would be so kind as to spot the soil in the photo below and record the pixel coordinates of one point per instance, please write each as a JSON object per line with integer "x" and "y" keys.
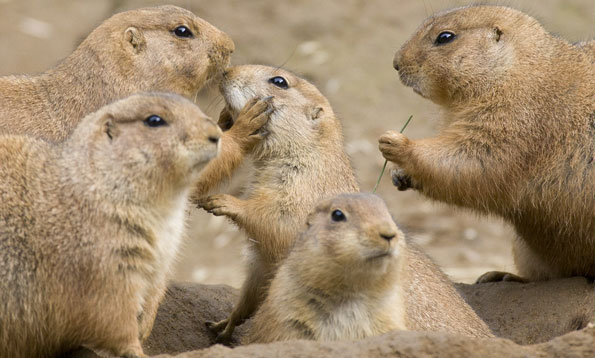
{"x": 526, "y": 317}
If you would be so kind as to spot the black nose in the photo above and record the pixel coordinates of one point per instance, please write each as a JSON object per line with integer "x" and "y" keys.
{"x": 213, "y": 139}
{"x": 388, "y": 236}
{"x": 396, "y": 66}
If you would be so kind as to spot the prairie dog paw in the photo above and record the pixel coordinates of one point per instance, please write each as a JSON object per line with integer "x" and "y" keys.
{"x": 500, "y": 276}
{"x": 248, "y": 128}
{"x": 401, "y": 179}
{"x": 393, "y": 146}
{"x": 220, "y": 204}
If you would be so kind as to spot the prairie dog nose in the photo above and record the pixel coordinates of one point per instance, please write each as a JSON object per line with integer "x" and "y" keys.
{"x": 387, "y": 233}
{"x": 213, "y": 133}
{"x": 396, "y": 63}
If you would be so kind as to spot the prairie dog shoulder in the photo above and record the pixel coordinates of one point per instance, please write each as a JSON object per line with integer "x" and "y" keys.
{"x": 352, "y": 275}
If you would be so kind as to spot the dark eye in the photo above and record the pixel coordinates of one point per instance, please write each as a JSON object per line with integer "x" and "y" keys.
{"x": 183, "y": 31}
{"x": 279, "y": 82}
{"x": 338, "y": 215}
{"x": 445, "y": 37}
{"x": 155, "y": 121}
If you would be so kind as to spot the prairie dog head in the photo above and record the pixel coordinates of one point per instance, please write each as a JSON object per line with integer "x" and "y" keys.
{"x": 353, "y": 236}
{"x": 466, "y": 52}
{"x": 302, "y": 115}
{"x": 144, "y": 146}
{"x": 164, "y": 48}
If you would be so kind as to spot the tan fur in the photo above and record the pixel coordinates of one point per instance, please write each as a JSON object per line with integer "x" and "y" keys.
{"x": 131, "y": 52}
{"x": 589, "y": 48}
{"x": 519, "y": 137}
{"x": 358, "y": 277}
{"x": 89, "y": 227}
{"x": 300, "y": 161}
{"x": 238, "y": 140}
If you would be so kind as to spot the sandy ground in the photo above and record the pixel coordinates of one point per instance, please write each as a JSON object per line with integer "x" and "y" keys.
{"x": 345, "y": 48}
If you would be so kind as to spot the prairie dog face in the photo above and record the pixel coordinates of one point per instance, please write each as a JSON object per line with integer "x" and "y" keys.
{"x": 356, "y": 232}
{"x": 150, "y": 141}
{"x": 169, "y": 48}
{"x": 301, "y": 112}
{"x": 464, "y": 52}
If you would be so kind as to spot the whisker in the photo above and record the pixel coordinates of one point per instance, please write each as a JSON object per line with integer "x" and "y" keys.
{"x": 287, "y": 59}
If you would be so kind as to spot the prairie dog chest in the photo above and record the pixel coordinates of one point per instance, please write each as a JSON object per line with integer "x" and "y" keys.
{"x": 363, "y": 317}
{"x": 169, "y": 231}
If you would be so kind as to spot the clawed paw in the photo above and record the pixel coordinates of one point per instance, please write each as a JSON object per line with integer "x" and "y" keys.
{"x": 248, "y": 127}
{"x": 401, "y": 179}
{"x": 500, "y": 276}
{"x": 215, "y": 204}
{"x": 223, "y": 335}
{"x": 216, "y": 327}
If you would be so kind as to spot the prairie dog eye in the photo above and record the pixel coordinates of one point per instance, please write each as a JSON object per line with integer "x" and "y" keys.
{"x": 279, "y": 82}
{"x": 337, "y": 215}
{"x": 154, "y": 121}
{"x": 183, "y": 31}
{"x": 445, "y": 37}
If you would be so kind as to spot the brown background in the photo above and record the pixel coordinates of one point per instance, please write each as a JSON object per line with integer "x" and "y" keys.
{"x": 346, "y": 49}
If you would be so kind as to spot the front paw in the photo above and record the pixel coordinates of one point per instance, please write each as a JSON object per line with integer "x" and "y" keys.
{"x": 401, "y": 179}
{"x": 222, "y": 330}
{"x": 248, "y": 128}
{"x": 217, "y": 327}
{"x": 220, "y": 204}
{"x": 394, "y": 146}
{"x": 500, "y": 276}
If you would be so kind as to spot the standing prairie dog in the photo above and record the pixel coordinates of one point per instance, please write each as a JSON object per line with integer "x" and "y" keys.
{"x": 351, "y": 275}
{"x": 519, "y": 139}
{"x": 300, "y": 161}
{"x": 89, "y": 228}
{"x": 163, "y": 48}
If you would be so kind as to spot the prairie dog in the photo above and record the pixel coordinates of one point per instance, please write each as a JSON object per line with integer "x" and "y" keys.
{"x": 163, "y": 48}
{"x": 352, "y": 275}
{"x": 519, "y": 137}
{"x": 89, "y": 227}
{"x": 300, "y": 161}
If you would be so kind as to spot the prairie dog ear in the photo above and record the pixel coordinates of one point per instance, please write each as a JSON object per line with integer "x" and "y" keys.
{"x": 316, "y": 113}
{"x": 310, "y": 218}
{"x": 109, "y": 126}
{"x": 135, "y": 38}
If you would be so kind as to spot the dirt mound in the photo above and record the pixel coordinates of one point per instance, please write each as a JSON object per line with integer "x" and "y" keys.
{"x": 519, "y": 313}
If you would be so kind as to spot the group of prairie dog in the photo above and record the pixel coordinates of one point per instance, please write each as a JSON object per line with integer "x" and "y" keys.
{"x": 99, "y": 163}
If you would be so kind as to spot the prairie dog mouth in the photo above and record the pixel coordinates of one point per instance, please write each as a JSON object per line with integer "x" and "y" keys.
{"x": 381, "y": 255}
{"x": 204, "y": 158}
{"x": 235, "y": 96}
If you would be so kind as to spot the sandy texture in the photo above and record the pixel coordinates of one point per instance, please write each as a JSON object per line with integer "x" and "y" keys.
{"x": 533, "y": 312}
{"x": 519, "y": 313}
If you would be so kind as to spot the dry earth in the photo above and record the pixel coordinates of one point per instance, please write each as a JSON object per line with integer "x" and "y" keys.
{"x": 521, "y": 314}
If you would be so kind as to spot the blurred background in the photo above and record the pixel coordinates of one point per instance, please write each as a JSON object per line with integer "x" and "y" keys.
{"x": 345, "y": 47}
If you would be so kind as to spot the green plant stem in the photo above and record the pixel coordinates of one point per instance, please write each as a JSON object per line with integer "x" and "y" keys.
{"x": 386, "y": 161}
